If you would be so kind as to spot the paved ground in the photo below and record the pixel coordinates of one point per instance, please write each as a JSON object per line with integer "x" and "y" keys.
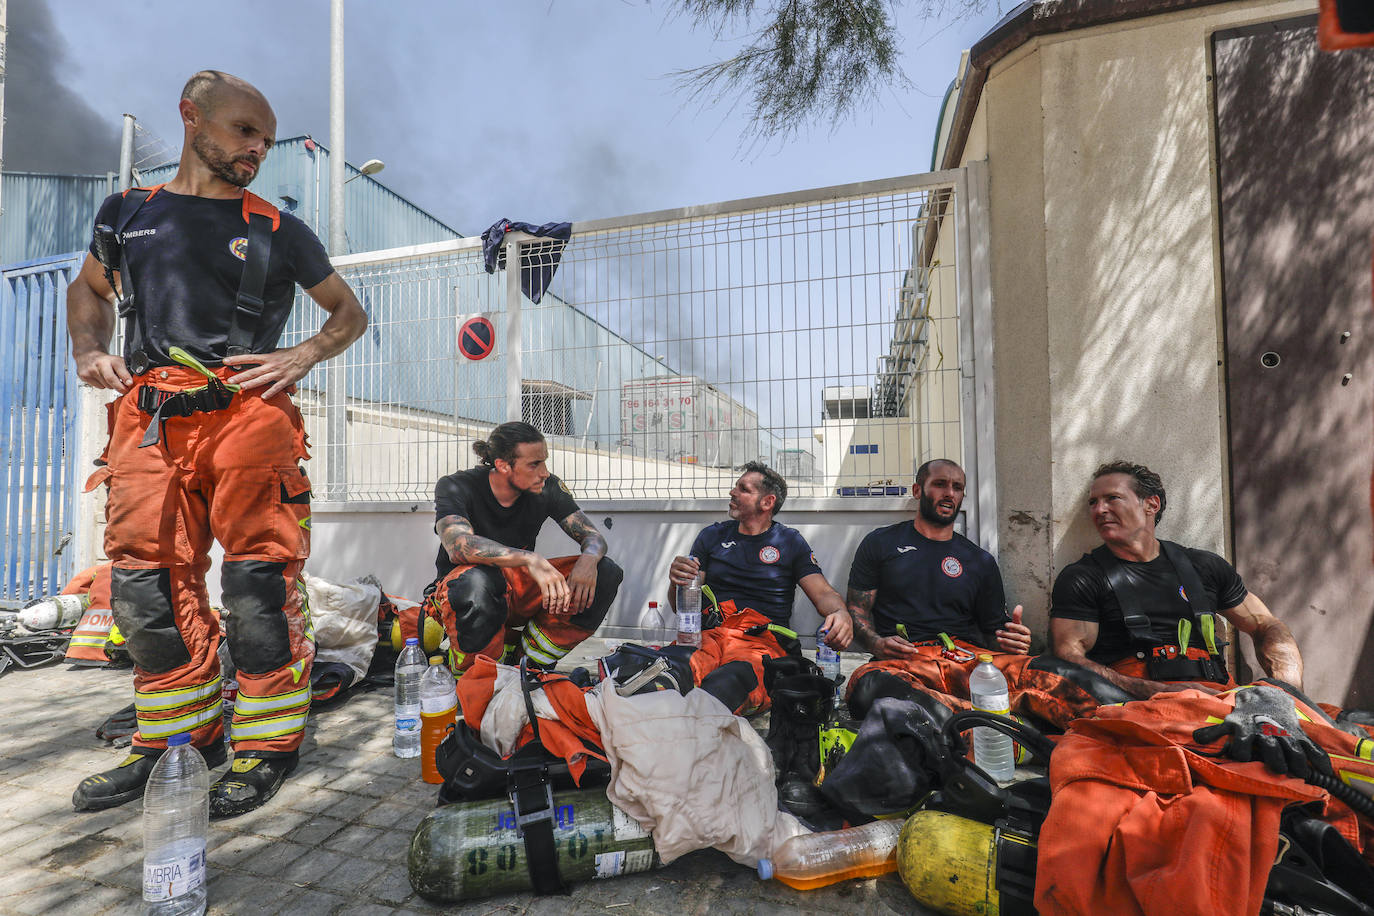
{"x": 334, "y": 839}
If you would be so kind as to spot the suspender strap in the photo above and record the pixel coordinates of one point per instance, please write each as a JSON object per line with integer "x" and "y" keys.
{"x": 531, "y": 796}
{"x": 248, "y": 303}
{"x": 1137, "y": 623}
{"x": 127, "y": 305}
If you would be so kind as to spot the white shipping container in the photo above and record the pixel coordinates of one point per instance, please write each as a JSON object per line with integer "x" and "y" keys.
{"x": 681, "y": 418}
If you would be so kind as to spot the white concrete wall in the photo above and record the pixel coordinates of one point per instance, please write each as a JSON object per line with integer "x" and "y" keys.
{"x": 398, "y": 546}
{"x": 1104, "y": 265}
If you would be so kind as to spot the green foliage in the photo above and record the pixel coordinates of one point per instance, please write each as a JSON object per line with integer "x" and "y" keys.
{"x": 809, "y": 60}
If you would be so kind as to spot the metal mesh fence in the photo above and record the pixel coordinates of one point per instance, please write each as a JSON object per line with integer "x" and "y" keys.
{"x": 817, "y": 332}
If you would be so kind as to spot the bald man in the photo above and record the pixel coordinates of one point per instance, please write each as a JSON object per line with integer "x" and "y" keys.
{"x": 206, "y": 444}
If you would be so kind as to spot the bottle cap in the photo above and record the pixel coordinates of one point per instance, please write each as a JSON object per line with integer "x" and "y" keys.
{"x": 412, "y": 641}
{"x": 765, "y": 869}
{"x": 653, "y": 604}
{"x": 179, "y": 740}
{"x": 985, "y": 657}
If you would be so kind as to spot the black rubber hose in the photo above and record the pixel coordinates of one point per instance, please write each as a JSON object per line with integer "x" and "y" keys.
{"x": 1028, "y": 737}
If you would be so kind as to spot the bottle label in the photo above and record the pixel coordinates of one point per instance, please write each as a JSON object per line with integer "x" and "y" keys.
{"x": 173, "y": 876}
{"x": 689, "y": 622}
{"x": 407, "y": 724}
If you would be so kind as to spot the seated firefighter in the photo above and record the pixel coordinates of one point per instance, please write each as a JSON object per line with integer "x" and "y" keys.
{"x": 494, "y": 594}
{"x": 752, "y": 566}
{"x": 1141, "y": 612}
{"x": 927, "y": 602}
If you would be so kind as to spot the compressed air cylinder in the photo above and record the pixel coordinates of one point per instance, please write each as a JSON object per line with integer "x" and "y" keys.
{"x": 470, "y": 850}
{"x": 964, "y": 867}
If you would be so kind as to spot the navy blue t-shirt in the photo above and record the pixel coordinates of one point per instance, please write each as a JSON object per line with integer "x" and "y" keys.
{"x": 186, "y": 259}
{"x": 760, "y": 571}
{"x": 932, "y": 587}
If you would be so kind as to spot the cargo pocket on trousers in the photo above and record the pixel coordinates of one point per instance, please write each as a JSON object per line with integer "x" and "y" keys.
{"x": 295, "y": 501}
{"x": 100, "y": 475}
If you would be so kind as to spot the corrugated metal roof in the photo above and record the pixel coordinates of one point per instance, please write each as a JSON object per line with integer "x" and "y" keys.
{"x": 297, "y": 180}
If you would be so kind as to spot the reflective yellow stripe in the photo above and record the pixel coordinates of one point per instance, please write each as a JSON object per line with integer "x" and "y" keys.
{"x": 93, "y": 641}
{"x": 1358, "y": 781}
{"x": 1364, "y": 748}
{"x": 181, "y": 696}
{"x": 539, "y": 648}
{"x": 257, "y": 706}
{"x": 455, "y": 658}
{"x": 268, "y": 728}
{"x": 166, "y": 728}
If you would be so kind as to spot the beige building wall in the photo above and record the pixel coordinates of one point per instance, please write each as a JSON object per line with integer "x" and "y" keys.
{"x": 1104, "y": 266}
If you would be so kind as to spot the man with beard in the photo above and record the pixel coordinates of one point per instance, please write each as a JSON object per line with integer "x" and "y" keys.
{"x": 927, "y": 602}
{"x": 753, "y": 566}
{"x": 495, "y": 595}
{"x": 1141, "y": 611}
{"x": 205, "y": 444}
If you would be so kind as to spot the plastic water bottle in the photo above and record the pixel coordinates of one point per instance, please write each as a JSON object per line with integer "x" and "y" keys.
{"x": 992, "y": 750}
{"x": 410, "y": 666}
{"x": 689, "y": 614}
{"x": 817, "y": 859}
{"x": 176, "y": 818}
{"x": 438, "y": 710}
{"x": 827, "y": 659}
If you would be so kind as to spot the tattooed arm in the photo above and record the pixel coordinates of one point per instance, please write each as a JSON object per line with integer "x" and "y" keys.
{"x": 866, "y": 635}
{"x": 582, "y": 578}
{"x": 1275, "y": 646}
{"x": 468, "y": 549}
{"x": 580, "y": 528}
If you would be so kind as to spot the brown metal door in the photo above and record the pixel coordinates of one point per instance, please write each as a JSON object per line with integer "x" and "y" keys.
{"x": 1295, "y": 131}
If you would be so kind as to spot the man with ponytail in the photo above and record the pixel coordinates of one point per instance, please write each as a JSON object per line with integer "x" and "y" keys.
{"x": 494, "y": 594}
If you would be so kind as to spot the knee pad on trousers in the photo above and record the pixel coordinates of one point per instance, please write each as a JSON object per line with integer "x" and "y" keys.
{"x": 731, "y": 683}
{"x": 876, "y": 685}
{"x": 478, "y": 600}
{"x": 1092, "y": 683}
{"x": 254, "y": 594}
{"x": 141, "y": 601}
{"x": 609, "y": 575}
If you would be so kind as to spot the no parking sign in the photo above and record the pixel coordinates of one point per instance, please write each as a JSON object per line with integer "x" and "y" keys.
{"x": 476, "y": 338}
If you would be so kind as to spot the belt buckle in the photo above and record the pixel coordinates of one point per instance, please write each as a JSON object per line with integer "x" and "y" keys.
{"x": 139, "y": 363}
{"x": 539, "y": 813}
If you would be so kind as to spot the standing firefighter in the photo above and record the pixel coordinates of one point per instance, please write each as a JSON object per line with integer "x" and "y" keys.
{"x": 206, "y": 276}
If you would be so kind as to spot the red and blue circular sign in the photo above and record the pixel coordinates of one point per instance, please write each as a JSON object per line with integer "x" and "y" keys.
{"x": 476, "y": 338}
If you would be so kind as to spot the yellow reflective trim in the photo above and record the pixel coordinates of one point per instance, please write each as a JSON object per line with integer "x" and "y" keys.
{"x": 93, "y": 641}
{"x": 256, "y": 706}
{"x": 181, "y": 696}
{"x": 1302, "y": 715}
{"x": 1358, "y": 781}
{"x": 304, "y": 523}
{"x": 166, "y": 728}
{"x": 1213, "y": 720}
{"x": 536, "y": 635}
{"x": 1364, "y": 748}
{"x": 297, "y": 671}
{"x": 260, "y": 729}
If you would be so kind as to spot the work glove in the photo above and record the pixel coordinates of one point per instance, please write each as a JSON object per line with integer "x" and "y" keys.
{"x": 1264, "y": 726}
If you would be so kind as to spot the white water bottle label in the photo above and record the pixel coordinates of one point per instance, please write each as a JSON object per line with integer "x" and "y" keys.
{"x": 689, "y": 621}
{"x": 407, "y": 723}
{"x": 173, "y": 876}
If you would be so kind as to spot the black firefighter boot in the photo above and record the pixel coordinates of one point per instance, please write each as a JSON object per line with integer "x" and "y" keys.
{"x": 252, "y": 779}
{"x": 802, "y": 701}
{"x": 126, "y": 782}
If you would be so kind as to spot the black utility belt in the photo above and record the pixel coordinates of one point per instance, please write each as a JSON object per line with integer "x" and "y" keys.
{"x": 163, "y": 404}
{"x": 1165, "y": 663}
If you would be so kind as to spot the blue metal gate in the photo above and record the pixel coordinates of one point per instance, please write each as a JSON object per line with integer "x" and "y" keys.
{"x": 38, "y": 429}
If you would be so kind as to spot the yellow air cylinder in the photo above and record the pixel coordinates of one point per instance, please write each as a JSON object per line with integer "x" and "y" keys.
{"x": 432, "y": 635}
{"x": 949, "y": 863}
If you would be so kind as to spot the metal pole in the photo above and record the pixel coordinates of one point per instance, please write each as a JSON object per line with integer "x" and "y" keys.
{"x": 4, "y": 4}
{"x": 126, "y": 154}
{"x": 336, "y": 397}
{"x": 514, "y": 392}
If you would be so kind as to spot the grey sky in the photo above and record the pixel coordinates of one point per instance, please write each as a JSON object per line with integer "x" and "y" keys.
{"x": 529, "y": 109}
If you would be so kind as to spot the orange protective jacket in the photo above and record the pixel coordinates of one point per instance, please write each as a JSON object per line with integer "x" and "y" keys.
{"x": 572, "y": 736}
{"x": 1143, "y": 821}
